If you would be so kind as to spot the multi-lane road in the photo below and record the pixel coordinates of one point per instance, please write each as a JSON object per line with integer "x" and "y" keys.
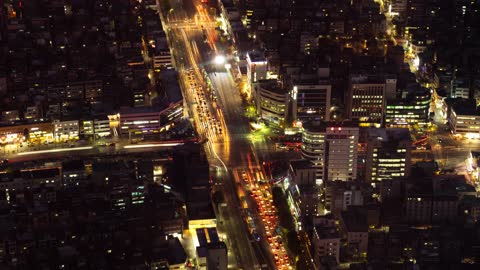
{"x": 189, "y": 63}
{"x": 193, "y": 48}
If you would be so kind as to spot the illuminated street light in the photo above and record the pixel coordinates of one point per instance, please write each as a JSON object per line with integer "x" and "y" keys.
{"x": 219, "y": 59}
{"x": 228, "y": 66}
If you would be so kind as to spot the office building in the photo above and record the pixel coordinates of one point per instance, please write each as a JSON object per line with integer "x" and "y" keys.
{"x": 271, "y": 100}
{"x": 332, "y": 149}
{"x": 96, "y": 128}
{"x": 464, "y": 118}
{"x": 66, "y": 130}
{"x": 311, "y": 101}
{"x": 410, "y": 109}
{"x": 424, "y": 207}
{"x": 388, "y": 153}
{"x": 366, "y": 98}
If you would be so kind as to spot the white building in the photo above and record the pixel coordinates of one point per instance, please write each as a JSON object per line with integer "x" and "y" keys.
{"x": 256, "y": 67}
{"x": 97, "y": 127}
{"x": 352, "y": 197}
{"x": 464, "y": 118}
{"x": 332, "y": 149}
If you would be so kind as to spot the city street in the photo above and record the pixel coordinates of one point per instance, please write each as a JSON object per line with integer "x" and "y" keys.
{"x": 210, "y": 107}
{"x": 188, "y": 59}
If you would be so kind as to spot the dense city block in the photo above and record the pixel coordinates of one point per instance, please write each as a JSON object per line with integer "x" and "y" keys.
{"x": 239, "y": 134}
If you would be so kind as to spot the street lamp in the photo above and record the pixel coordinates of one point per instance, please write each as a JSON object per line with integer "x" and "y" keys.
{"x": 219, "y": 60}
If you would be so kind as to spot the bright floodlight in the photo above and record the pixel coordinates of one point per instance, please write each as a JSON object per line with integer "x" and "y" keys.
{"x": 219, "y": 60}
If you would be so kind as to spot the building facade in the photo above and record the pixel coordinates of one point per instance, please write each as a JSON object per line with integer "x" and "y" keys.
{"x": 332, "y": 149}
{"x": 271, "y": 100}
{"x": 411, "y": 109}
{"x": 66, "y": 130}
{"x": 366, "y": 99}
{"x": 311, "y": 101}
{"x": 326, "y": 242}
{"x": 388, "y": 154}
{"x": 256, "y": 67}
{"x": 302, "y": 173}
{"x": 464, "y": 118}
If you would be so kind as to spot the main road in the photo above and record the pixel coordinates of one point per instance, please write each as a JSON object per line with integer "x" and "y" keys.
{"x": 192, "y": 50}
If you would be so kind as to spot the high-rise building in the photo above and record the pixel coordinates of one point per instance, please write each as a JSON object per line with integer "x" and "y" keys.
{"x": 332, "y": 149}
{"x": 367, "y": 97}
{"x": 388, "y": 154}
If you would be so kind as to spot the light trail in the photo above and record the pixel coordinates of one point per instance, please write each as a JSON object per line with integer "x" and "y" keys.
{"x": 151, "y": 145}
{"x": 55, "y": 150}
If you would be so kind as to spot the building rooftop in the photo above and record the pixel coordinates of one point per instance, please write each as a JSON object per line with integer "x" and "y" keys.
{"x": 355, "y": 219}
{"x": 272, "y": 86}
{"x": 217, "y": 245}
{"x": 389, "y": 134}
{"x": 256, "y": 56}
{"x": 326, "y": 232}
{"x": 464, "y": 106}
{"x": 170, "y": 85}
{"x": 300, "y": 164}
{"x": 321, "y": 126}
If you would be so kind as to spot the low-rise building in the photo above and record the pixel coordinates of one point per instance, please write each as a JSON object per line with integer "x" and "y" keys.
{"x": 272, "y": 101}
{"x": 464, "y": 118}
{"x": 32, "y": 112}
{"x": 366, "y": 98}
{"x": 326, "y": 243}
{"x": 354, "y": 228}
{"x": 10, "y": 116}
{"x": 66, "y": 130}
{"x": 97, "y": 127}
{"x": 27, "y": 179}
{"x": 256, "y": 67}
